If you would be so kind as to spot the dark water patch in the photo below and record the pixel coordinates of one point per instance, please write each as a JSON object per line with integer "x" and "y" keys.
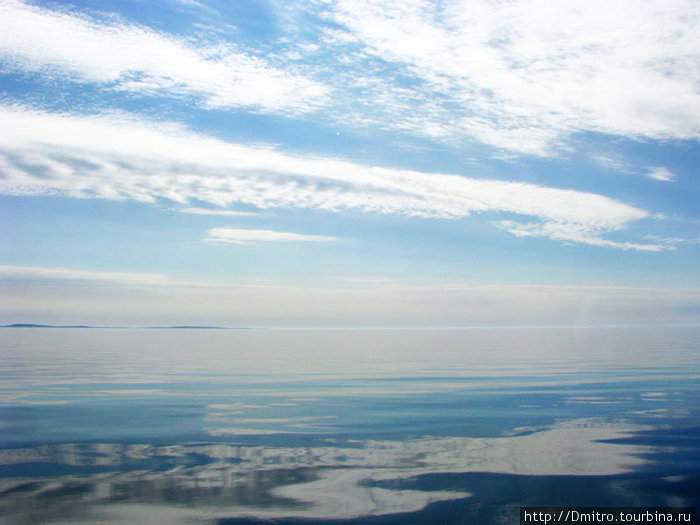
{"x": 663, "y": 437}
{"x": 520, "y": 490}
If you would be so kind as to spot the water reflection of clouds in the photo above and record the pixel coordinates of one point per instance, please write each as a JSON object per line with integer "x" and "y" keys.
{"x": 637, "y": 402}
{"x": 235, "y": 407}
{"x": 597, "y": 400}
{"x": 272, "y": 420}
{"x": 662, "y": 413}
{"x": 225, "y": 480}
{"x": 232, "y": 415}
{"x": 654, "y": 396}
{"x": 47, "y": 388}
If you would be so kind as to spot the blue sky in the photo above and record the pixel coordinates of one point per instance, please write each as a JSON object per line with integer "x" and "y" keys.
{"x": 349, "y": 162}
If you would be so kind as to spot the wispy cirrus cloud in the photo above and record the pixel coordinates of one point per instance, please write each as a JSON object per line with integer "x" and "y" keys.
{"x": 662, "y": 174}
{"x": 211, "y": 211}
{"x": 577, "y": 233}
{"x": 117, "y": 157}
{"x": 524, "y": 75}
{"x": 621, "y": 165}
{"x": 245, "y": 236}
{"x": 127, "y": 57}
{"x": 672, "y": 241}
{"x": 613, "y": 163}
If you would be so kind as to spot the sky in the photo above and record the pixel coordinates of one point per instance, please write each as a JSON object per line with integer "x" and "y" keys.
{"x": 350, "y": 162}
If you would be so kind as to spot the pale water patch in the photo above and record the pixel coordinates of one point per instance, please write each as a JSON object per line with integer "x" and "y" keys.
{"x": 341, "y": 481}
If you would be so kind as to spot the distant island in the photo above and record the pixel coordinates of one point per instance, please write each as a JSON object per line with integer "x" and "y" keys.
{"x": 32, "y": 325}
{"x": 176, "y": 327}
{"x": 191, "y": 327}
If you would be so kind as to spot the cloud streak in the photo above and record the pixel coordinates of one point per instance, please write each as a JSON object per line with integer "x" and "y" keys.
{"x": 576, "y": 233}
{"x": 210, "y": 211}
{"x": 662, "y": 174}
{"x": 117, "y": 157}
{"x": 242, "y": 236}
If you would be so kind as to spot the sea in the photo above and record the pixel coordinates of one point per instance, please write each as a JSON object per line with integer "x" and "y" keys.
{"x": 344, "y": 426}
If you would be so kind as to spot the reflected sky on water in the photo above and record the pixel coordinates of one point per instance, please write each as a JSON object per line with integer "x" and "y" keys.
{"x": 234, "y": 426}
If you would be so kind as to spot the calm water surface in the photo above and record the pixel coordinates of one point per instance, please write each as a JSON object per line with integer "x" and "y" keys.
{"x": 344, "y": 426}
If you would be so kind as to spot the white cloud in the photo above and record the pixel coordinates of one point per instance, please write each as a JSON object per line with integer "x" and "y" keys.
{"x": 115, "y": 157}
{"x": 575, "y": 233}
{"x": 242, "y": 236}
{"x": 671, "y": 241}
{"x": 612, "y": 163}
{"x": 210, "y": 211}
{"x": 622, "y": 166}
{"x": 523, "y": 75}
{"x": 137, "y": 59}
{"x": 662, "y": 174}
